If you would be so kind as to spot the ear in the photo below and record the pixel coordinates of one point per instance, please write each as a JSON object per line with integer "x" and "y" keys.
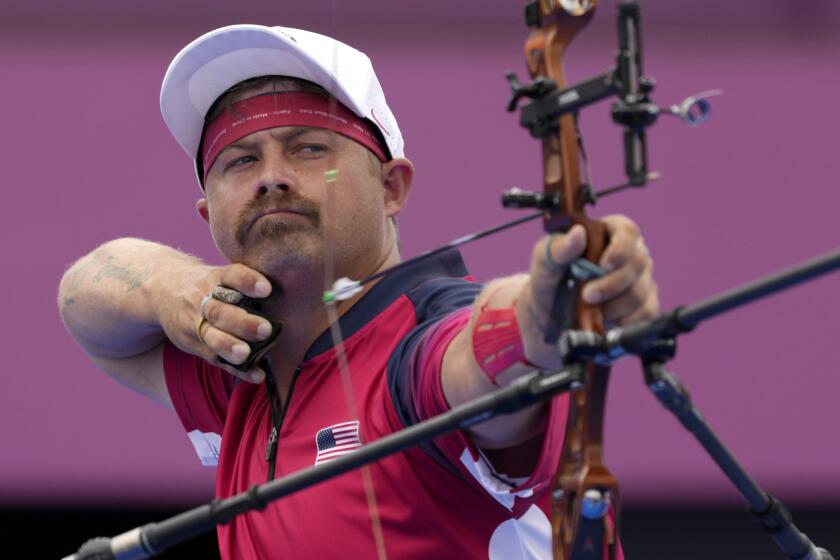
{"x": 201, "y": 208}
{"x": 397, "y": 178}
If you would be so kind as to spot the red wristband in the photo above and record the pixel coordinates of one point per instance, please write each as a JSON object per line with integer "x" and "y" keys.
{"x": 497, "y": 342}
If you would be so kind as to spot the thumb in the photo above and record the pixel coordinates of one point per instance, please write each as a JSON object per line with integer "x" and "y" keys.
{"x": 553, "y": 253}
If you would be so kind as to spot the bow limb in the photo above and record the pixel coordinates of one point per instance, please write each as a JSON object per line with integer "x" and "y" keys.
{"x": 332, "y": 180}
{"x": 581, "y": 469}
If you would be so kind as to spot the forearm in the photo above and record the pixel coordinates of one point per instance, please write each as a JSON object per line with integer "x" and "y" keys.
{"x": 464, "y": 379}
{"x": 112, "y": 299}
{"x": 627, "y": 293}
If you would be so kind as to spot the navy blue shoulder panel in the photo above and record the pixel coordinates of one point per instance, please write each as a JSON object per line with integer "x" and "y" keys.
{"x": 432, "y": 301}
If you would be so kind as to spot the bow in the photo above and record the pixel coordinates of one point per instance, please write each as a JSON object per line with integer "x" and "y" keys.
{"x": 581, "y": 474}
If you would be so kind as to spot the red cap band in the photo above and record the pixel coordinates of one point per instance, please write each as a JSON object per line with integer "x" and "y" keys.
{"x": 285, "y": 109}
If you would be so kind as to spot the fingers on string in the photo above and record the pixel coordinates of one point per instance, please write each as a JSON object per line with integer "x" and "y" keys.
{"x": 246, "y": 280}
{"x": 236, "y": 351}
{"x": 235, "y": 321}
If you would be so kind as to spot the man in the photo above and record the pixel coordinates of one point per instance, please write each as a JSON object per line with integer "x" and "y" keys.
{"x": 303, "y": 172}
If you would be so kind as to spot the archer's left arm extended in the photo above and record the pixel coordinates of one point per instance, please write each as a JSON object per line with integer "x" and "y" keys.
{"x": 627, "y": 293}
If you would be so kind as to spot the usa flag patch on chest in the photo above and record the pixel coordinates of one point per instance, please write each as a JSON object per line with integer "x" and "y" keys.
{"x": 337, "y": 440}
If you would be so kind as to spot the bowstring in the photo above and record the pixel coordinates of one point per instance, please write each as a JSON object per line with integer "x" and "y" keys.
{"x": 332, "y": 181}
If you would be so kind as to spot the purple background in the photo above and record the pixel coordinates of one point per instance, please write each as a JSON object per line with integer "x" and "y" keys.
{"x": 86, "y": 158}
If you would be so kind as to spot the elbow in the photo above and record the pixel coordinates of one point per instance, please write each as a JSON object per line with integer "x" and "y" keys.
{"x": 69, "y": 295}
{"x": 66, "y": 289}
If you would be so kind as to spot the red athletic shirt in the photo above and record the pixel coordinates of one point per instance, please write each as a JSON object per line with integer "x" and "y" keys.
{"x": 441, "y": 501}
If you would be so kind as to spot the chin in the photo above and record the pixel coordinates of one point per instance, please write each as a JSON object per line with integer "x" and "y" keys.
{"x": 289, "y": 259}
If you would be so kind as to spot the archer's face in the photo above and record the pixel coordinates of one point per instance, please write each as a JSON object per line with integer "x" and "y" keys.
{"x": 272, "y": 204}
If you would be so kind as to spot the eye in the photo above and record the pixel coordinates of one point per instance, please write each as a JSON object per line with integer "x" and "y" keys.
{"x": 311, "y": 149}
{"x": 240, "y": 161}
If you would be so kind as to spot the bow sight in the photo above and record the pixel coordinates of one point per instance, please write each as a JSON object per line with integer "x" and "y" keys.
{"x": 633, "y": 110}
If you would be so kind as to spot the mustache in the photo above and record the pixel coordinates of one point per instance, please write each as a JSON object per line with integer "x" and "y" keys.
{"x": 290, "y": 201}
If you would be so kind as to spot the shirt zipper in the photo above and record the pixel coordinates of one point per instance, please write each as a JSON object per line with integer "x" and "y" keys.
{"x": 278, "y": 414}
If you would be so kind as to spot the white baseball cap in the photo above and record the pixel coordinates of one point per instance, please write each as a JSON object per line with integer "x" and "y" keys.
{"x": 218, "y": 60}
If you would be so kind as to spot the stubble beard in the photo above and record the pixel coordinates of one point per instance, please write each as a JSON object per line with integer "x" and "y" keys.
{"x": 282, "y": 248}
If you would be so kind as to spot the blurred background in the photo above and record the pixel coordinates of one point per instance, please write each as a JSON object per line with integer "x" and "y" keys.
{"x": 86, "y": 158}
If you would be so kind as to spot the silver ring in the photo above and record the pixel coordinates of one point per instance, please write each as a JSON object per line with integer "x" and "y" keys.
{"x": 226, "y": 295}
{"x": 550, "y": 263}
{"x": 201, "y": 308}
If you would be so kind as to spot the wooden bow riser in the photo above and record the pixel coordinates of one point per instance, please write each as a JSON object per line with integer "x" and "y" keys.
{"x": 581, "y": 465}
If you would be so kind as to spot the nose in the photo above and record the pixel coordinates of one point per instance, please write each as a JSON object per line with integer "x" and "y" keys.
{"x": 264, "y": 189}
{"x": 274, "y": 173}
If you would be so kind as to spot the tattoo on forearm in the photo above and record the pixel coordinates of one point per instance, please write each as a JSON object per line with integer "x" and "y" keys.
{"x": 132, "y": 278}
{"x": 80, "y": 273}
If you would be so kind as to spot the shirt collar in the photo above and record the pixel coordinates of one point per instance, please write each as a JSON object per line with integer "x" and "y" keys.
{"x": 447, "y": 264}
